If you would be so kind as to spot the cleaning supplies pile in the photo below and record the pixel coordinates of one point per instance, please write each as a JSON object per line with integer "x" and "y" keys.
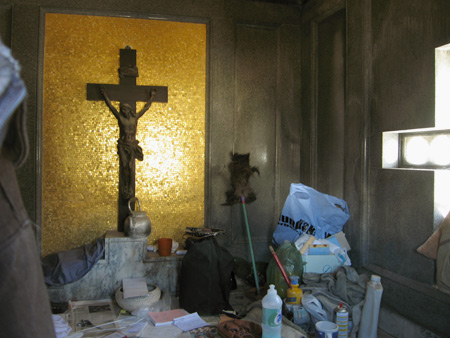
{"x": 323, "y": 255}
{"x": 314, "y": 222}
{"x": 312, "y": 271}
{"x": 339, "y": 296}
{"x": 324, "y": 294}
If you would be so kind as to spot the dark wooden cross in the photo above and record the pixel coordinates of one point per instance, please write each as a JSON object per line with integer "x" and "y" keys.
{"x": 127, "y": 93}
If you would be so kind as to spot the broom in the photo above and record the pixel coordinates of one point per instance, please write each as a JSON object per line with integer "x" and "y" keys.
{"x": 250, "y": 244}
{"x": 241, "y": 172}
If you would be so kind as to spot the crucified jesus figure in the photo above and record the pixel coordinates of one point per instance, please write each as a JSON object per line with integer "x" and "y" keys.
{"x": 128, "y": 147}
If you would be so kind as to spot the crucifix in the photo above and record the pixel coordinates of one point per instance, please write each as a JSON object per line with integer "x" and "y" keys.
{"x": 127, "y": 93}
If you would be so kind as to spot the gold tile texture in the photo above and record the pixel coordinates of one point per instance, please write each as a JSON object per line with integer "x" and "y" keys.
{"x": 80, "y": 162}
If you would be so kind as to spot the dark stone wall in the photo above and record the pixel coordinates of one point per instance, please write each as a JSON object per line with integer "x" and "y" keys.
{"x": 5, "y": 25}
{"x": 401, "y": 202}
{"x": 389, "y": 85}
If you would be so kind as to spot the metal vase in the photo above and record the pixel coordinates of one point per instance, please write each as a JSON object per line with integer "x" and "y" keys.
{"x": 137, "y": 225}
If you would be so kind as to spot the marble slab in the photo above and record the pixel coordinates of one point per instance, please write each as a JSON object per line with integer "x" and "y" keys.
{"x": 124, "y": 258}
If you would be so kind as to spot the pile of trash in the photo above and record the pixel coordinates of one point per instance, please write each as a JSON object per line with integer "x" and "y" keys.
{"x": 311, "y": 245}
{"x": 314, "y": 222}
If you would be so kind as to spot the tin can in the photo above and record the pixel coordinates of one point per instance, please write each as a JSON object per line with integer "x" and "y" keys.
{"x": 341, "y": 320}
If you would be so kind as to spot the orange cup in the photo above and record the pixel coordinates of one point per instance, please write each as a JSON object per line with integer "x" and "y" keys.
{"x": 164, "y": 246}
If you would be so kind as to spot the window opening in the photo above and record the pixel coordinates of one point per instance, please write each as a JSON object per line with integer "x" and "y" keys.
{"x": 427, "y": 148}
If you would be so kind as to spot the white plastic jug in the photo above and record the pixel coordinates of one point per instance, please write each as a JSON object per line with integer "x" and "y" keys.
{"x": 371, "y": 309}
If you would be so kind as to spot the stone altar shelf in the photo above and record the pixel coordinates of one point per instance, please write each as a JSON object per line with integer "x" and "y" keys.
{"x": 124, "y": 257}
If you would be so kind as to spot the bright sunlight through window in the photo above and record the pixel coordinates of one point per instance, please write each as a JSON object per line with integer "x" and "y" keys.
{"x": 431, "y": 151}
{"x": 427, "y": 149}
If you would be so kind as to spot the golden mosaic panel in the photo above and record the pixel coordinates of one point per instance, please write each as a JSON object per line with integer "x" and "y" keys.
{"x": 80, "y": 163}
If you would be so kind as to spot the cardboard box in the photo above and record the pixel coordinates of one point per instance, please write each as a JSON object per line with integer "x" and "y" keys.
{"x": 320, "y": 263}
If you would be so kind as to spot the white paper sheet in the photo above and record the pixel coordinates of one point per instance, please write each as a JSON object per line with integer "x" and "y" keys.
{"x": 189, "y": 322}
{"x": 162, "y": 332}
{"x": 134, "y": 287}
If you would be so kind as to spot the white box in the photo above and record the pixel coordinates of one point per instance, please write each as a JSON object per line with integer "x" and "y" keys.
{"x": 320, "y": 263}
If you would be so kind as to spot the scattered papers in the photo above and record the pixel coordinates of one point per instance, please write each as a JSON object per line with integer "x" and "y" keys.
{"x": 165, "y": 331}
{"x": 166, "y": 317}
{"x": 131, "y": 326}
{"x": 134, "y": 287}
{"x": 190, "y": 322}
{"x": 136, "y": 328}
{"x": 115, "y": 335}
{"x": 94, "y": 318}
{"x": 178, "y": 317}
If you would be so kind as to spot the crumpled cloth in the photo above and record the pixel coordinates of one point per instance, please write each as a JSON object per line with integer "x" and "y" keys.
{"x": 68, "y": 266}
{"x": 344, "y": 286}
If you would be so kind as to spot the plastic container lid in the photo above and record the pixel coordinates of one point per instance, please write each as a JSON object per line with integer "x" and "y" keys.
{"x": 294, "y": 280}
{"x": 271, "y": 290}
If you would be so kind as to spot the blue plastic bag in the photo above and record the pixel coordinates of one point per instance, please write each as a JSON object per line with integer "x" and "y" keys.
{"x": 308, "y": 211}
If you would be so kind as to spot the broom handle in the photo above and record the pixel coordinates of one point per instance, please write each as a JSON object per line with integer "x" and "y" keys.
{"x": 251, "y": 245}
{"x": 277, "y": 260}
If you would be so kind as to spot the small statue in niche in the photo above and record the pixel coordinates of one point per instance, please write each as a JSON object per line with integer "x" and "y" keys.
{"x": 240, "y": 173}
{"x": 128, "y": 147}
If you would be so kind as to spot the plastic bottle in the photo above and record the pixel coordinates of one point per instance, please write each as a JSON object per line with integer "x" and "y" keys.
{"x": 271, "y": 314}
{"x": 294, "y": 293}
{"x": 302, "y": 318}
{"x": 371, "y": 309}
